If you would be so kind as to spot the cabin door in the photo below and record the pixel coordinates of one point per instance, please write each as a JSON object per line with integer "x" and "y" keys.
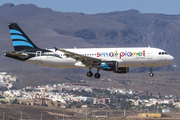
{"x": 150, "y": 53}
{"x": 38, "y": 55}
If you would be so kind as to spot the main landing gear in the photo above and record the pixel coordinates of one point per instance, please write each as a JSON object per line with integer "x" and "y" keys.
{"x": 151, "y": 74}
{"x": 89, "y": 74}
{"x": 96, "y": 75}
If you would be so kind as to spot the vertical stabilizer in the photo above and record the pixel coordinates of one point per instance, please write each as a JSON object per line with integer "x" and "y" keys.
{"x": 19, "y": 39}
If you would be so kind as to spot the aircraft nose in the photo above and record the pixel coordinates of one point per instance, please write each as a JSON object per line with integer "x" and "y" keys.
{"x": 171, "y": 59}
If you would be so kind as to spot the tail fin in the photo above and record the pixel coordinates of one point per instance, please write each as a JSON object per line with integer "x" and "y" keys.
{"x": 20, "y": 39}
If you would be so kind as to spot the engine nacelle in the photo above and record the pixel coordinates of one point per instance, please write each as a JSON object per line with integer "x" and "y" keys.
{"x": 113, "y": 66}
{"x": 109, "y": 65}
{"x": 122, "y": 70}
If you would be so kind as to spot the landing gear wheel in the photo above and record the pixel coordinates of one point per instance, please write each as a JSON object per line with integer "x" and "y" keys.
{"x": 151, "y": 74}
{"x": 89, "y": 74}
{"x": 97, "y": 75}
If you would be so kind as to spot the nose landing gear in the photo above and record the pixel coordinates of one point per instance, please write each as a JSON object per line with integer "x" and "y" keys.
{"x": 151, "y": 74}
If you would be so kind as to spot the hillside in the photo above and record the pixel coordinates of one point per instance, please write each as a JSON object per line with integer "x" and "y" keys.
{"x": 48, "y": 29}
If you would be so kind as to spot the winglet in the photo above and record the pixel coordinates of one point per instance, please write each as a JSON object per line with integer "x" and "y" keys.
{"x": 56, "y": 48}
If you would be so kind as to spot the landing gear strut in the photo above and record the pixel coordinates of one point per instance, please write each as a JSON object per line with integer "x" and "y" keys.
{"x": 89, "y": 74}
{"x": 151, "y": 74}
{"x": 97, "y": 75}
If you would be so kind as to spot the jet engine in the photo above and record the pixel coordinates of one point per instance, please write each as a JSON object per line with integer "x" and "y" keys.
{"x": 122, "y": 70}
{"x": 113, "y": 66}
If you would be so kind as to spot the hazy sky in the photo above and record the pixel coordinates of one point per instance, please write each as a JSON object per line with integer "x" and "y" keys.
{"x": 104, "y": 6}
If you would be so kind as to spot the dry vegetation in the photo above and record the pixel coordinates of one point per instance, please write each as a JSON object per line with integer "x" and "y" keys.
{"x": 13, "y": 112}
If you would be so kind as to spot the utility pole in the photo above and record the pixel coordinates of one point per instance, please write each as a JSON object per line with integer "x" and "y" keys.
{"x": 21, "y": 114}
{"x": 94, "y": 113}
{"x": 63, "y": 114}
{"x": 86, "y": 113}
{"x": 3, "y": 115}
{"x": 41, "y": 115}
{"x": 124, "y": 112}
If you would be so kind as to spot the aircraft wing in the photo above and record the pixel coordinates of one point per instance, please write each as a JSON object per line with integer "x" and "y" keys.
{"x": 86, "y": 60}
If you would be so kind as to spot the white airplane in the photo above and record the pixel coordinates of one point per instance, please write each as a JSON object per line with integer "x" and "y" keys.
{"x": 117, "y": 60}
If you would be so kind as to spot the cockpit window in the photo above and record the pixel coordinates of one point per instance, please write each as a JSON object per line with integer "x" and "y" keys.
{"x": 163, "y": 53}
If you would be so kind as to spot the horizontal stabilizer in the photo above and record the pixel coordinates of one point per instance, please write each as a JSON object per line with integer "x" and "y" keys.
{"x": 16, "y": 54}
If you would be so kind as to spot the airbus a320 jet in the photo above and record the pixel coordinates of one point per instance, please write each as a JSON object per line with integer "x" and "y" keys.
{"x": 117, "y": 60}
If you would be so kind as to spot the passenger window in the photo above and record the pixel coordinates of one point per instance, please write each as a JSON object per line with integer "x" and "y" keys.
{"x": 159, "y": 53}
{"x": 162, "y": 53}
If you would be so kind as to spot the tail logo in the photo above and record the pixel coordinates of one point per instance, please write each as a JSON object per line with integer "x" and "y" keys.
{"x": 18, "y": 39}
